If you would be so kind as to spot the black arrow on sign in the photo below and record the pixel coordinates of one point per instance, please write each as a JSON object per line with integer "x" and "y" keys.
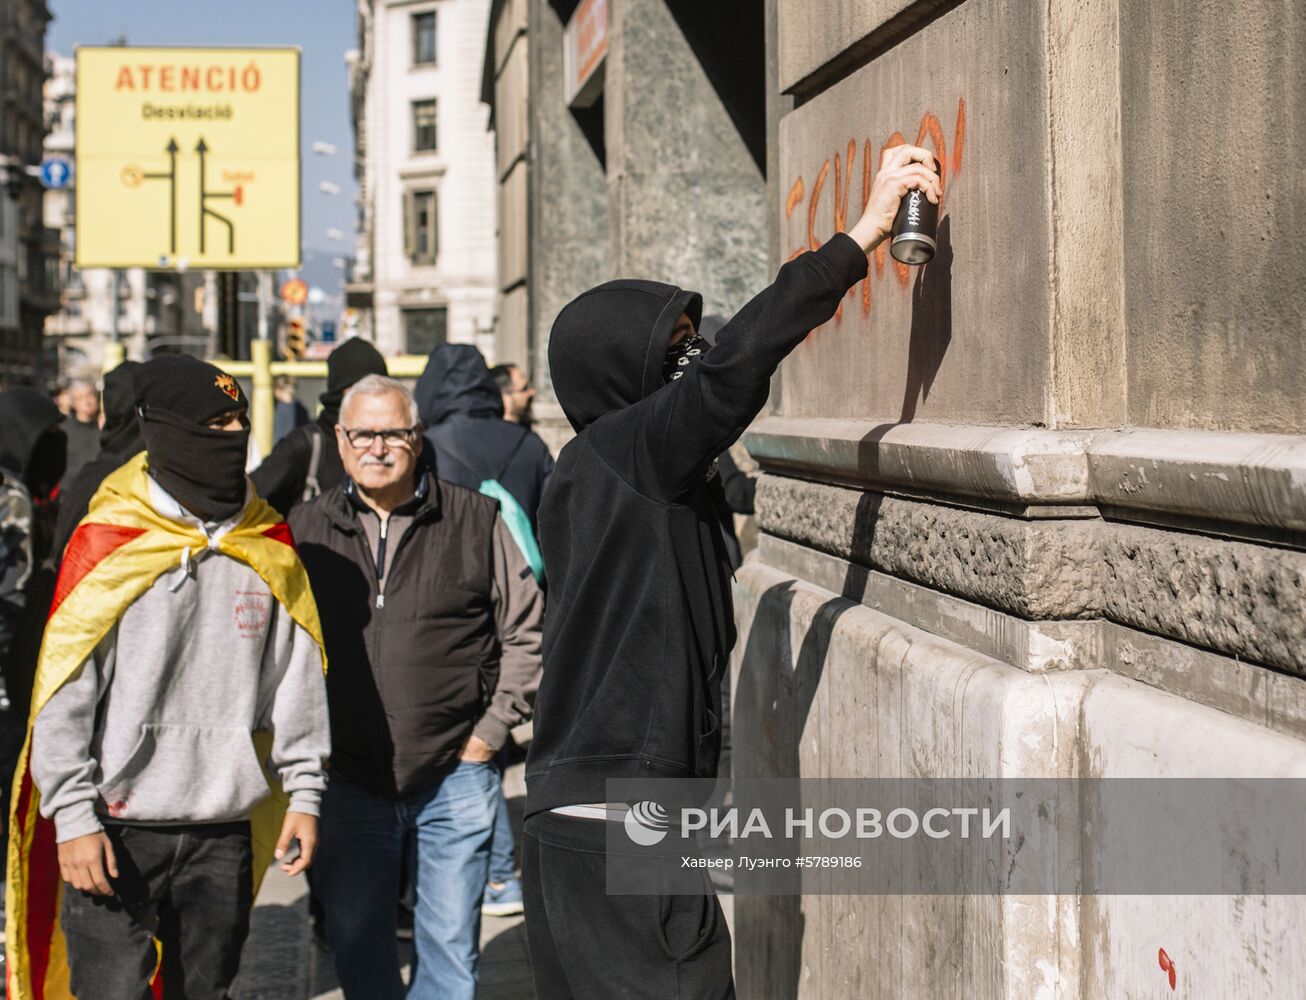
{"x": 205, "y": 194}
{"x": 171, "y": 177}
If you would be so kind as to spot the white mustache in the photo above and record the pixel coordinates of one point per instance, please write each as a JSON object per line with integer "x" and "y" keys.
{"x": 386, "y": 460}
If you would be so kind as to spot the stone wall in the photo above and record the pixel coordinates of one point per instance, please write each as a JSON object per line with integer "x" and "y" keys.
{"x": 1038, "y": 508}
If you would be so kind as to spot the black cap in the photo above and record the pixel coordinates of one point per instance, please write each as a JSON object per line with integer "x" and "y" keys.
{"x": 350, "y": 362}
{"x": 188, "y": 387}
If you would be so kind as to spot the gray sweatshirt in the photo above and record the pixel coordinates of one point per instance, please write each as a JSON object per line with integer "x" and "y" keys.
{"x": 156, "y": 727}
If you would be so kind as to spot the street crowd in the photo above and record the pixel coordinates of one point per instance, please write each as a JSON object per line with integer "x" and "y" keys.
{"x": 320, "y": 664}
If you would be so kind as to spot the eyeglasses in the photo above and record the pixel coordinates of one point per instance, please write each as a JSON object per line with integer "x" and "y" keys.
{"x": 394, "y": 437}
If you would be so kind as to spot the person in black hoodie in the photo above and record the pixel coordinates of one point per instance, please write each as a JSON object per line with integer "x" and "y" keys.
{"x": 33, "y": 450}
{"x": 461, "y": 406}
{"x": 305, "y": 463}
{"x": 640, "y": 621}
{"x": 120, "y": 439}
{"x": 462, "y": 410}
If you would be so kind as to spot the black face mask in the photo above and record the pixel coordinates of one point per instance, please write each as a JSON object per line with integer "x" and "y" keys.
{"x": 203, "y": 469}
{"x": 681, "y": 356}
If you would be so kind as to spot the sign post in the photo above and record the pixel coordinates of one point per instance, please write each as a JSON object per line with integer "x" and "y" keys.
{"x": 188, "y": 157}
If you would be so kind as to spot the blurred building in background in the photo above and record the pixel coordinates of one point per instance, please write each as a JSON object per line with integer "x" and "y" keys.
{"x": 424, "y": 268}
{"x": 149, "y": 311}
{"x": 28, "y": 251}
{"x": 630, "y": 141}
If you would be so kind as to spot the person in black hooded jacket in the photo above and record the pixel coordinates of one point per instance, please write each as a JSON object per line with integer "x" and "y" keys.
{"x": 640, "y": 621}
{"x": 305, "y": 463}
{"x": 461, "y": 407}
{"x": 462, "y": 410}
{"x": 120, "y": 439}
{"x": 33, "y": 449}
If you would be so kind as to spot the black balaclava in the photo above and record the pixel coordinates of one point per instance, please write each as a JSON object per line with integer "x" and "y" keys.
{"x": 203, "y": 469}
{"x": 349, "y": 363}
{"x": 121, "y": 433}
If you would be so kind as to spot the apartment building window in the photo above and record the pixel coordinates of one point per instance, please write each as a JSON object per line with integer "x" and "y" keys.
{"x": 424, "y": 39}
{"x": 424, "y": 329}
{"x": 424, "y": 133}
{"x": 421, "y": 226}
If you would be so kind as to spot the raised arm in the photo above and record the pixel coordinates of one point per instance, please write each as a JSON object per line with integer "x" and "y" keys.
{"x": 679, "y": 429}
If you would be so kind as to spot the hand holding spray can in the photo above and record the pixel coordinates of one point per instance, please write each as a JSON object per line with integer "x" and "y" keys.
{"x": 915, "y": 227}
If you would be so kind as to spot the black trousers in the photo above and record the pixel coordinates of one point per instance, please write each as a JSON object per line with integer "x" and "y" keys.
{"x": 588, "y": 945}
{"x": 191, "y": 886}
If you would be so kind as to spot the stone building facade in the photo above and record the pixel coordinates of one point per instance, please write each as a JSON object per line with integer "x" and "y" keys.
{"x": 1037, "y": 509}
{"x": 630, "y": 141}
{"x": 424, "y": 269}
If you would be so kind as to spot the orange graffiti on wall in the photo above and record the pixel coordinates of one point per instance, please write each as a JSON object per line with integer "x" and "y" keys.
{"x": 930, "y": 134}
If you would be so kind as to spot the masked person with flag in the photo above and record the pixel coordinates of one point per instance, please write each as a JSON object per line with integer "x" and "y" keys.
{"x": 182, "y": 655}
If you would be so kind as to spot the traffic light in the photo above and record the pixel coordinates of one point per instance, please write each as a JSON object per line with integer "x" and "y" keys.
{"x": 296, "y": 338}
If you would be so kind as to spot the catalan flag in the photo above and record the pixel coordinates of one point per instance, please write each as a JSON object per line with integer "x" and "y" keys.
{"x": 117, "y": 552}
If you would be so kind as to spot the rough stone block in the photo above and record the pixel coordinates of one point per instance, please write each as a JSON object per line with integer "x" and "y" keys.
{"x": 1035, "y": 569}
{"x": 1238, "y": 598}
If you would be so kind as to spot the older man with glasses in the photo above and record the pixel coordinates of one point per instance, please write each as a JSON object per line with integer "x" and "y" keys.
{"x": 432, "y": 620}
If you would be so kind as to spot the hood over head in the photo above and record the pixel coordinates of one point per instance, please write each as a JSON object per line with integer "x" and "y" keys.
{"x": 456, "y": 380}
{"x": 121, "y": 434}
{"x": 26, "y": 417}
{"x": 608, "y": 345}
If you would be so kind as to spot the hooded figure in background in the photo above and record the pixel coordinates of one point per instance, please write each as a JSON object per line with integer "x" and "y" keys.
{"x": 33, "y": 450}
{"x": 306, "y": 463}
{"x": 462, "y": 410}
{"x": 120, "y": 439}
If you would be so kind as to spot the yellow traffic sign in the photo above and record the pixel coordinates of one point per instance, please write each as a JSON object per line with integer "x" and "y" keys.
{"x": 187, "y": 157}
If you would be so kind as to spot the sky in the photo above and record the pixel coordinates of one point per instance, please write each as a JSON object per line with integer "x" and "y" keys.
{"x": 324, "y": 30}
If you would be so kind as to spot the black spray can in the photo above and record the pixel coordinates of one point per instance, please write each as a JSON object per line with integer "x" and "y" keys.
{"x": 915, "y": 228}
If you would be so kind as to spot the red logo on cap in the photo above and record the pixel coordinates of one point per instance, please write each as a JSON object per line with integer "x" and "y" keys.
{"x": 228, "y": 385}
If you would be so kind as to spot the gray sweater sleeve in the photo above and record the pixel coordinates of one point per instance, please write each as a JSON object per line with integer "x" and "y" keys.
{"x": 61, "y": 763}
{"x": 293, "y": 704}
{"x": 519, "y": 614}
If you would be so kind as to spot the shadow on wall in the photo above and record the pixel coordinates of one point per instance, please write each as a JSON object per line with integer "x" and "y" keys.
{"x": 772, "y": 705}
{"x": 931, "y": 324}
{"x": 776, "y": 689}
{"x": 931, "y": 335}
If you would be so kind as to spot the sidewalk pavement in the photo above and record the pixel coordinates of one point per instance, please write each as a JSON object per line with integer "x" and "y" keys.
{"x": 281, "y": 962}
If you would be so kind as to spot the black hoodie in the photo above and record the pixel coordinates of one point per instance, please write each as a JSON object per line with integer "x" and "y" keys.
{"x": 462, "y": 408}
{"x": 32, "y": 452}
{"x": 640, "y": 621}
{"x": 28, "y": 419}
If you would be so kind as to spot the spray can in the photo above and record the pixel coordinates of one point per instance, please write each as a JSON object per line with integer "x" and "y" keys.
{"x": 915, "y": 228}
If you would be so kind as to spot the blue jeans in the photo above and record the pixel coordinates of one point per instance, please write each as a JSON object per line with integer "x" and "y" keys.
{"x": 446, "y": 833}
{"x": 502, "y": 864}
